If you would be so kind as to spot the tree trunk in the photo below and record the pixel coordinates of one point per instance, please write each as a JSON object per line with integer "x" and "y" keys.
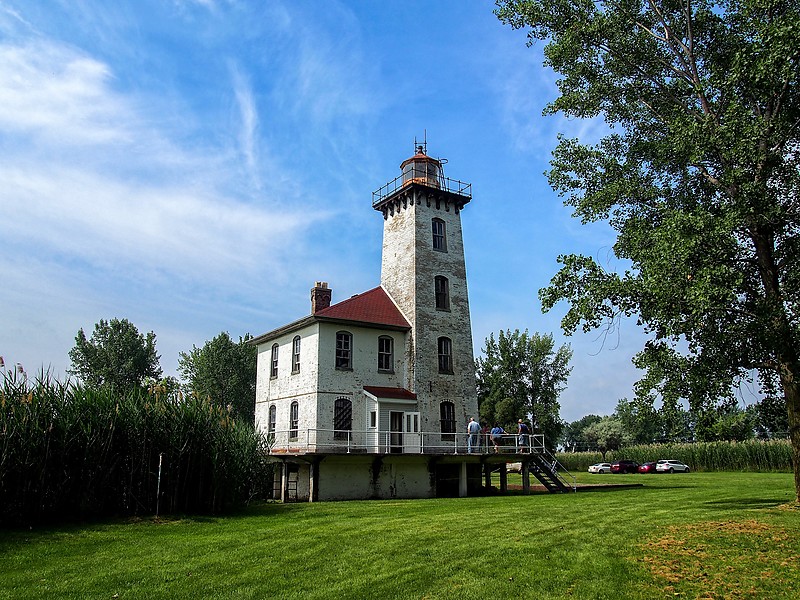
{"x": 791, "y": 393}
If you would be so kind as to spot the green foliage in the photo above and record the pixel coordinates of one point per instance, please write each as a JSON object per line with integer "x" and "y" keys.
{"x": 69, "y": 450}
{"x": 639, "y": 419}
{"x": 572, "y": 437}
{"x": 608, "y": 433}
{"x": 117, "y": 355}
{"x": 225, "y": 372}
{"x": 758, "y": 456}
{"x": 578, "y": 462}
{"x": 700, "y": 178}
{"x": 521, "y": 376}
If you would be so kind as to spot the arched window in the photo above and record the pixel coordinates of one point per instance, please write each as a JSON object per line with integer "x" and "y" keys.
{"x": 273, "y": 369}
{"x": 296, "y": 354}
{"x": 439, "y": 237}
{"x": 294, "y": 420}
{"x": 445, "y": 355}
{"x": 447, "y": 415}
{"x": 344, "y": 350}
{"x": 342, "y": 418}
{"x": 442, "y": 288}
{"x": 385, "y": 353}
{"x": 273, "y": 417}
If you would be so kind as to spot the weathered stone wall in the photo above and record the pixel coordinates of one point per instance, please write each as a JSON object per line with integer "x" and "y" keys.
{"x": 409, "y": 267}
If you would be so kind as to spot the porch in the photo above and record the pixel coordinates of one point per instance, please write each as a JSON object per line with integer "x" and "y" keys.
{"x": 321, "y": 464}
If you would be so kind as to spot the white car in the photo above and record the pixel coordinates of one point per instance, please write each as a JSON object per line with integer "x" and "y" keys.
{"x": 600, "y": 468}
{"x": 671, "y": 466}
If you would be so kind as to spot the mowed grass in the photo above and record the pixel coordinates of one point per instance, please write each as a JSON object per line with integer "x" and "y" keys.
{"x": 701, "y": 535}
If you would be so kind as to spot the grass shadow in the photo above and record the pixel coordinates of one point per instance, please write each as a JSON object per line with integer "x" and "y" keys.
{"x": 746, "y": 503}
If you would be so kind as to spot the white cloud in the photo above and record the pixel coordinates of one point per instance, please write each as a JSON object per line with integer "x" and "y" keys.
{"x": 53, "y": 92}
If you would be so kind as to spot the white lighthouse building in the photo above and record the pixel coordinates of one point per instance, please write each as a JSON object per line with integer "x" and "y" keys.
{"x": 370, "y": 397}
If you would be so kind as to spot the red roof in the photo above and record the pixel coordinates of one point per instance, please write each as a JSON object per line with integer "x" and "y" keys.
{"x": 373, "y": 307}
{"x": 390, "y": 392}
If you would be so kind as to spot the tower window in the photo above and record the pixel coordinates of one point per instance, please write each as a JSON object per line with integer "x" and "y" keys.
{"x": 439, "y": 238}
{"x": 294, "y": 420}
{"x": 272, "y": 419}
{"x": 385, "y": 353}
{"x": 342, "y": 418}
{"x": 296, "y": 354}
{"x": 344, "y": 350}
{"x": 273, "y": 369}
{"x": 442, "y": 286}
{"x": 445, "y": 355}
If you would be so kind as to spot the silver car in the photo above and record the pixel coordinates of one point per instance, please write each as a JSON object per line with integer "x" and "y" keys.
{"x": 671, "y": 466}
{"x": 600, "y": 468}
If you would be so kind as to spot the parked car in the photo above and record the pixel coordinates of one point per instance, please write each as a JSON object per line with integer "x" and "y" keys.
{"x": 625, "y": 466}
{"x": 670, "y": 466}
{"x": 648, "y": 467}
{"x": 600, "y": 468}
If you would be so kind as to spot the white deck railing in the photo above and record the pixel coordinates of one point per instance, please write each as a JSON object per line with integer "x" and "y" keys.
{"x": 373, "y": 441}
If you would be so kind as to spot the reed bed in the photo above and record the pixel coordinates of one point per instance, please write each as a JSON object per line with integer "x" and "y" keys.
{"x": 750, "y": 455}
{"x": 69, "y": 451}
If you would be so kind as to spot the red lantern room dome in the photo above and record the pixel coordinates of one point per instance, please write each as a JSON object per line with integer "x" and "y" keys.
{"x": 423, "y": 169}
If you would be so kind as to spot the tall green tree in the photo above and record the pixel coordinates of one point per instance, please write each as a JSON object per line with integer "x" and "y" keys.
{"x": 521, "y": 376}
{"x": 639, "y": 418}
{"x": 606, "y": 434}
{"x": 572, "y": 437}
{"x": 116, "y": 355}
{"x": 699, "y": 176}
{"x": 224, "y": 371}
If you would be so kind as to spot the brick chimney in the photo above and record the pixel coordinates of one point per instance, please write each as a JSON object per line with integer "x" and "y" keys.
{"x": 320, "y": 296}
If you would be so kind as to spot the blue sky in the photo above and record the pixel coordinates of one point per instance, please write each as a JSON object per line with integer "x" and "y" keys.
{"x": 194, "y": 167}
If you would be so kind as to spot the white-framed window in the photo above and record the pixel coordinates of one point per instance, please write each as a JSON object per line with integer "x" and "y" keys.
{"x": 373, "y": 419}
{"x": 296, "y": 354}
{"x": 273, "y": 368}
{"x": 294, "y": 420}
{"x": 445, "y": 355}
{"x": 273, "y": 417}
{"x": 344, "y": 350}
{"x": 442, "y": 289}
{"x": 439, "y": 237}
{"x": 385, "y": 354}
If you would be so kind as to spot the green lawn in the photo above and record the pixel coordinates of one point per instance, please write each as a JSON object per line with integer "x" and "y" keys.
{"x": 701, "y": 535}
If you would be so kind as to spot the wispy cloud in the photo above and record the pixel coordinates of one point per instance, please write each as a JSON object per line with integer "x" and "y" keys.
{"x": 177, "y": 217}
{"x": 249, "y": 123}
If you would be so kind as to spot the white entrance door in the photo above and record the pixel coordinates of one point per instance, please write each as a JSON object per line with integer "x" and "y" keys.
{"x": 412, "y": 440}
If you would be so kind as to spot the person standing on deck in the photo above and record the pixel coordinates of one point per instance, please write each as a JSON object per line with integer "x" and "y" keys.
{"x": 473, "y": 429}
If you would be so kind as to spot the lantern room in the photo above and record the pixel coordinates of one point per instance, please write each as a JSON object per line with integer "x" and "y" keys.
{"x": 423, "y": 169}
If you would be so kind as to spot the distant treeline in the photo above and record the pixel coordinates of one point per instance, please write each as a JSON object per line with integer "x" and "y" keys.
{"x": 749, "y": 455}
{"x": 68, "y": 451}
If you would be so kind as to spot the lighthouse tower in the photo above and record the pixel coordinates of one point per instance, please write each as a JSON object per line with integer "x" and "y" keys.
{"x": 423, "y": 271}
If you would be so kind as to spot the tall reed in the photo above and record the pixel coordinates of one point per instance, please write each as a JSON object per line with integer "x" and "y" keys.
{"x": 69, "y": 451}
{"x": 750, "y": 455}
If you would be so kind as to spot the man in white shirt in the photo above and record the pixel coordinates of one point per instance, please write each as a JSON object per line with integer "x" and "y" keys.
{"x": 473, "y": 429}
